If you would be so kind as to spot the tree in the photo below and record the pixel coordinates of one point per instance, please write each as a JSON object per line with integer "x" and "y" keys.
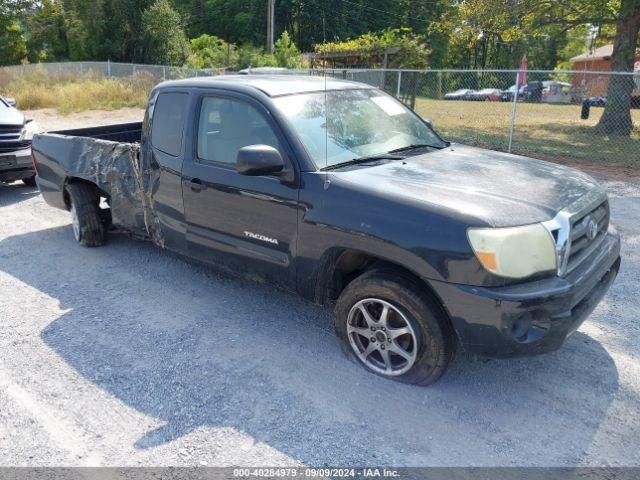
{"x": 120, "y": 29}
{"x": 13, "y": 47}
{"x": 252, "y": 56}
{"x": 12, "y": 44}
{"x": 48, "y": 33}
{"x": 286, "y": 53}
{"x": 163, "y": 39}
{"x": 616, "y": 118}
{"x": 208, "y": 51}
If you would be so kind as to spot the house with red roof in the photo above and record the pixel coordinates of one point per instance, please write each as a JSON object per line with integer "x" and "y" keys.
{"x": 598, "y": 61}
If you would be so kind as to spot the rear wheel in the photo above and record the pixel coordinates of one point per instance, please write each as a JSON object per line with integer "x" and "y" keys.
{"x": 86, "y": 219}
{"x": 391, "y": 326}
{"x": 30, "y": 181}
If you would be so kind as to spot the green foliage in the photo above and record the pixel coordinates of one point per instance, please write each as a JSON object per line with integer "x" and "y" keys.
{"x": 163, "y": 38}
{"x": 47, "y": 33}
{"x": 286, "y": 53}
{"x": 412, "y": 52}
{"x": 13, "y": 47}
{"x": 208, "y": 51}
{"x": 497, "y": 33}
{"x": 12, "y": 44}
{"x": 251, "y": 56}
{"x": 437, "y": 33}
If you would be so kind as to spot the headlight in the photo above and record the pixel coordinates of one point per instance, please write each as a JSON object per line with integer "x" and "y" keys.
{"x": 514, "y": 252}
{"x": 29, "y": 129}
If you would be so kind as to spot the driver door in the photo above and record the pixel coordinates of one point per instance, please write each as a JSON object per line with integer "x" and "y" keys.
{"x": 242, "y": 223}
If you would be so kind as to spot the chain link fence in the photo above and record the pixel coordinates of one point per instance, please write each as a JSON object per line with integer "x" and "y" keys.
{"x": 546, "y": 114}
{"x": 114, "y": 70}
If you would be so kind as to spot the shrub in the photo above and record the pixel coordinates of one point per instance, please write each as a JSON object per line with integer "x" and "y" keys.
{"x": 286, "y": 53}
{"x": 369, "y": 48}
{"x": 209, "y": 51}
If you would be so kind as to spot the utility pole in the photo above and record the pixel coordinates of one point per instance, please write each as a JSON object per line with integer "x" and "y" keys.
{"x": 271, "y": 14}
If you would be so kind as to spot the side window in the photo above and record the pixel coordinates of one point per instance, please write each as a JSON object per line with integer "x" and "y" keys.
{"x": 168, "y": 122}
{"x": 225, "y": 126}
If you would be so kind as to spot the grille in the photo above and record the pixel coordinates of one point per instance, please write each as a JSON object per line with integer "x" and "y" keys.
{"x": 587, "y": 233}
{"x": 10, "y": 129}
{"x": 13, "y": 146}
{"x": 10, "y": 138}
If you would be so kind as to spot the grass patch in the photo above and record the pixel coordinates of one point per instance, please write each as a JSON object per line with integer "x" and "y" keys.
{"x": 541, "y": 130}
{"x": 69, "y": 93}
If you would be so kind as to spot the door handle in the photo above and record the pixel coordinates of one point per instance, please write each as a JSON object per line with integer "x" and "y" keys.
{"x": 196, "y": 184}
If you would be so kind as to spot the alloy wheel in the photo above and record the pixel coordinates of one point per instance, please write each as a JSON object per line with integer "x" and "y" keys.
{"x": 382, "y": 337}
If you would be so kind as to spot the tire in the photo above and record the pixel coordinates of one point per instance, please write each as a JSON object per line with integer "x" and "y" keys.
{"x": 88, "y": 226}
{"x": 429, "y": 340}
{"x": 30, "y": 181}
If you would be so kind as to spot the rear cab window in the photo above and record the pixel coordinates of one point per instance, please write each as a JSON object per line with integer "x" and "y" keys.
{"x": 167, "y": 129}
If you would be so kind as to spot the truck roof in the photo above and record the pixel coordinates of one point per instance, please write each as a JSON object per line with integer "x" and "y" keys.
{"x": 272, "y": 85}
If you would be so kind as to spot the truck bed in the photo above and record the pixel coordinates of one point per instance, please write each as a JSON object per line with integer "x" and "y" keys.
{"x": 108, "y": 157}
{"x": 121, "y": 132}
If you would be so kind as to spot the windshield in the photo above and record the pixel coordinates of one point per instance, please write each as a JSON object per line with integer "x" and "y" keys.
{"x": 361, "y": 123}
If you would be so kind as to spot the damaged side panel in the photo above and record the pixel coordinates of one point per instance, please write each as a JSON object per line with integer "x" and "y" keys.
{"x": 116, "y": 168}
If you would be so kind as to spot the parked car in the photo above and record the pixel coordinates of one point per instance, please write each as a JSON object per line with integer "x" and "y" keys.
{"x": 598, "y": 101}
{"x": 486, "y": 94}
{"x": 462, "y": 94}
{"x": 16, "y": 133}
{"x": 532, "y": 91}
{"x": 425, "y": 246}
{"x": 507, "y": 95}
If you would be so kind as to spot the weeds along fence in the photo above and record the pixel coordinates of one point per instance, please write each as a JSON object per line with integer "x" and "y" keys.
{"x": 546, "y": 114}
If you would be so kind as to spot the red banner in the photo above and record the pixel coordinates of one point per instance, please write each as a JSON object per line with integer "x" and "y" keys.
{"x": 523, "y": 71}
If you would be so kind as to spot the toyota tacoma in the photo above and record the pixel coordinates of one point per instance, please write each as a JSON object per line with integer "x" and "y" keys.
{"x": 337, "y": 191}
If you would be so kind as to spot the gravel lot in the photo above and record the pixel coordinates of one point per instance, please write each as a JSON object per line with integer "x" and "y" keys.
{"x": 128, "y": 355}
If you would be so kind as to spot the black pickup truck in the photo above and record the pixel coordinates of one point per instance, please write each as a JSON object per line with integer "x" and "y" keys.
{"x": 337, "y": 191}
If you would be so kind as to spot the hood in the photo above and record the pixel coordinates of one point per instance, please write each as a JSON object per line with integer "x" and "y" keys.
{"x": 495, "y": 188}
{"x": 10, "y": 116}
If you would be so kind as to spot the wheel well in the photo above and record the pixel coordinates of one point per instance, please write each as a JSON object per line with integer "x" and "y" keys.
{"x": 65, "y": 194}
{"x": 341, "y": 267}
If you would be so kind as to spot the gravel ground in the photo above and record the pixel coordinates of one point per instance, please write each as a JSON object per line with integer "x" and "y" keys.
{"x": 129, "y": 355}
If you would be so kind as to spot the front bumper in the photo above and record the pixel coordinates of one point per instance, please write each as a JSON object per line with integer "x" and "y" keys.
{"x": 533, "y": 317}
{"x": 16, "y": 165}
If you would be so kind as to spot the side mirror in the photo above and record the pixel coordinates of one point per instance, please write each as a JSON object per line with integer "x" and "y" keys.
{"x": 428, "y": 122}
{"x": 11, "y": 101}
{"x": 257, "y": 160}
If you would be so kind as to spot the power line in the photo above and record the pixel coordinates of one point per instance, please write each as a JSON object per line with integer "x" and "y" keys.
{"x": 349, "y": 13}
{"x": 390, "y": 13}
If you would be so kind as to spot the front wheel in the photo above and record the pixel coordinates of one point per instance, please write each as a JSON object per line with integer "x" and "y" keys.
{"x": 390, "y": 325}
